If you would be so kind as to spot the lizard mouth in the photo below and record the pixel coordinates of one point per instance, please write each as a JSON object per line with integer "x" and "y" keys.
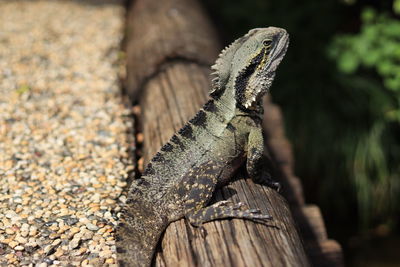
{"x": 278, "y": 51}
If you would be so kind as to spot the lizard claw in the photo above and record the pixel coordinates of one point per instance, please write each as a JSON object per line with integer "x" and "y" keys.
{"x": 254, "y": 210}
{"x": 262, "y": 216}
{"x": 274, "y": 185}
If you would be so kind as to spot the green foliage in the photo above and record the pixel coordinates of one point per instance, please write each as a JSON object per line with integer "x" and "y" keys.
{"x": 376, "y": 46}
{"x": 374, "y": 50}
{"x": 396, "y": 6}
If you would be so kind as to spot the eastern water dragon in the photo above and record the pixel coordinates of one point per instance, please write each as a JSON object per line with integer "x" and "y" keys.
{"x": 181, "y": 178}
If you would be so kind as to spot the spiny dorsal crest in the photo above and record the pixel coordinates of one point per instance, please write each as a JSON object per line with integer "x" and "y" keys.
{"x": 222, "y": 66}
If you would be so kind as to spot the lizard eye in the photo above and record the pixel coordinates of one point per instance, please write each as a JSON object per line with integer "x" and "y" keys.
{"x": 267, "y": 42}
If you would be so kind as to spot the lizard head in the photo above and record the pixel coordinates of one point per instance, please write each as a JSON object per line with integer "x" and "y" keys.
{"x": 249, "y": 64}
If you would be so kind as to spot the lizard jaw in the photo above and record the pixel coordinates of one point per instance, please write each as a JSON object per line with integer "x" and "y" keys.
{"x": 258, "y": 87}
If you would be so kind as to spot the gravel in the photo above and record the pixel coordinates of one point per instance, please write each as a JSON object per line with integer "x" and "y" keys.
{"x": 65, "y": 134}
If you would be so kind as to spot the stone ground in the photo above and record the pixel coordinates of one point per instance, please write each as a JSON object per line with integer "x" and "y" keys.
{"x": 65, "y": 135}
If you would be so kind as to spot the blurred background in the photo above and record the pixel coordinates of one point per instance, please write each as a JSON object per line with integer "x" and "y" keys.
{"x": 339, "y": 89}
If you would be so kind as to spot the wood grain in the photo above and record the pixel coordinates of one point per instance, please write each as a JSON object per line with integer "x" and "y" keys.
{"x": 170, "y": 45}
{"x": 169, "y": 100}
{"x": 165, "y": 31}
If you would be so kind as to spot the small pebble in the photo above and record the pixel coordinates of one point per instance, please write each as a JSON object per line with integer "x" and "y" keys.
{"x": 59, "y": 252}
{"x": 71, "y": 221}
{"x": 9, "y": 231}
{"x": 56, "y": 242}
{"x": 74, "y": 230}
{"x": 74, "y": 243}
{"x": 105, "y": 253}
{"x": 20, "y": 239}
{"x": 53, "y": 235}
{"x": 13, "y": 244}
{"x": 81, "y": 251}
{"x": 33, "y": 232}
{"x": 110, "y": 261}
{"x": 92, "y": 227}
{"x": 24, "y": 233}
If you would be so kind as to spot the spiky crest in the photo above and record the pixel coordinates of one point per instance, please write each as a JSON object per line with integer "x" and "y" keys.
{"x": 222, "y": 66}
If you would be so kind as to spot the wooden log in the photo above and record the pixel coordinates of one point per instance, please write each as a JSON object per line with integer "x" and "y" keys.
{"x": 327, "y": 253}
{"x": 164, "y": 31}
{"x": 317, "y": 225}
{"x": 169, "y": 99}
{"x": 169, "y": 44}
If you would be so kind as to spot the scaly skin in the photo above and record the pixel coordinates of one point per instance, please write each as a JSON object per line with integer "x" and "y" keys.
{"x": 181, "y": 178}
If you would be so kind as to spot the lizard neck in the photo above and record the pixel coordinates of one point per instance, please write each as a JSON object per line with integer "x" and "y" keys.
{"x": 226, "y": 102}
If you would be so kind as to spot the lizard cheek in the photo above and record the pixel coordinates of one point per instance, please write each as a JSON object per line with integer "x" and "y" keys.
{"x": 255, "y": 88}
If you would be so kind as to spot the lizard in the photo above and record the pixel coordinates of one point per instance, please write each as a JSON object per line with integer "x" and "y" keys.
{"x": 226, "y": 132}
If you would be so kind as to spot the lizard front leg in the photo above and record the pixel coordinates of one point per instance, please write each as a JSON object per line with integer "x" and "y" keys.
{"x": 255, "y": 165}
